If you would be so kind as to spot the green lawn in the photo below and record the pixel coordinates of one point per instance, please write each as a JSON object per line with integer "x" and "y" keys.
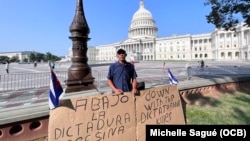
{"x": 228, "y": 109}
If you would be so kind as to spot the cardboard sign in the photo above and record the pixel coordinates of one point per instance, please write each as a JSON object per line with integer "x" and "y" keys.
{"x": 160, "y": 105}
{"x": 112, "y": 117}
{"x": 104, "y": 117}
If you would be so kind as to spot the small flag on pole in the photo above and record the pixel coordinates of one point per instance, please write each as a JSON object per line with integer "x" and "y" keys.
{"x": 172, "y": 79}
{"x": 55, "y": 91}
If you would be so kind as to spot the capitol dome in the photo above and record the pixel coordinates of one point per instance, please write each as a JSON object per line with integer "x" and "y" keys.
{"x": 142, "y": 24}
{"x": 142, "y": 13}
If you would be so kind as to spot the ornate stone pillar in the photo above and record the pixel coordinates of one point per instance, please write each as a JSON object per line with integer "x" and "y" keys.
{"x": 79, "y": 73}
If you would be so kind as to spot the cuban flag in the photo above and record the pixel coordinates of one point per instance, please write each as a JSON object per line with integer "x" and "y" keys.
{"x": 55, "y": 91}
{"x": 172, "y": 79}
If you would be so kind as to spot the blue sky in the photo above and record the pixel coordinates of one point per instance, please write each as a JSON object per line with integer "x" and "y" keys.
{"x": 43, "y": 25}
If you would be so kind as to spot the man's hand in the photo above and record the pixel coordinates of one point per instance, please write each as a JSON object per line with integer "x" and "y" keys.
{"x": 118, "y": 91}
{"x": 134, "y": 91}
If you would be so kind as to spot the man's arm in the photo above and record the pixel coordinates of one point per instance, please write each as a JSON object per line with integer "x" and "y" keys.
{"x": 134, "y": 86}
{"x": 114, "y": 89}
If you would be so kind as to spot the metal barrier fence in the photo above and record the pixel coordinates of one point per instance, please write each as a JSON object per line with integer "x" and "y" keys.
{"x": 151, "y": 76}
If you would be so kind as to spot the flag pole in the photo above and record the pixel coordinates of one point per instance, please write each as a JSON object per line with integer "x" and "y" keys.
{"x": 164, "y": 73}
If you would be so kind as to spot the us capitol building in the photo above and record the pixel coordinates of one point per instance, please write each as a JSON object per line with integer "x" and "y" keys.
{"x": 144, "y": 44}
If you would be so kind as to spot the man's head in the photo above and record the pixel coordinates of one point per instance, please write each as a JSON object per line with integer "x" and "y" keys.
{"x": 121, "y": 54}
{"x": 121, "y": 51}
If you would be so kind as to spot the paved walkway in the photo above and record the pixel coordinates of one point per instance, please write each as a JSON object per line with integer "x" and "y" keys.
{"x": 39, "y": 95}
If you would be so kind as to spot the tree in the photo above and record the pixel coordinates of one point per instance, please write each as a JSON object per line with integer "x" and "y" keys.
{"x": 25, "y": 60}
{"x": 4, "y": 59}
{"x": 14, "y": 59}
{"x": 48, "y": 56}
{"x": 32, "y": 57}
{"x": 39, "y": 57}
{"x": 227, "y": 13}
{"x": 51, "y": 57}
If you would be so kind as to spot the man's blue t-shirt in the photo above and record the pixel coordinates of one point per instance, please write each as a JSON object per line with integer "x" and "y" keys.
{"x": 121, "y": 75}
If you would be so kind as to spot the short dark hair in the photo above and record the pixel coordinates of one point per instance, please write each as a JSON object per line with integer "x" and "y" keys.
{"x": 121, "y": 51}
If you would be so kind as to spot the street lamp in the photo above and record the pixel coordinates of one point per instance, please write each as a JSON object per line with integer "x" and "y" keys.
{"x": 79, "y": 73}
